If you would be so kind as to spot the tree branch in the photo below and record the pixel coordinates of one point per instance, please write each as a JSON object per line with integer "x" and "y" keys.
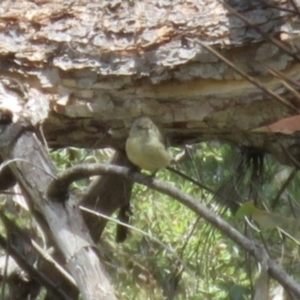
{"x": 85, "y": 170}
{"x": 105, "y": 195}
{"x": 33, "y": 170}
{"x": 31, "y": 271}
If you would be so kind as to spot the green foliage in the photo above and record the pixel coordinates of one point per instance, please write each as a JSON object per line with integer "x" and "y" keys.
{"x": 196, "y": 261}
{"x": 203, "y": 264}
{"x": 181, "y": 256}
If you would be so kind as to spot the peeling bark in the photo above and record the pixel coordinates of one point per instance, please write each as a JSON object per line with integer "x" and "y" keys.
{"x": 98, "y": 65}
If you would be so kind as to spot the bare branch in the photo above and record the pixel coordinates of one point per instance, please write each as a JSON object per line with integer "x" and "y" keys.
{"x": 33, "y": 170}
{"x": 260, "y": 254}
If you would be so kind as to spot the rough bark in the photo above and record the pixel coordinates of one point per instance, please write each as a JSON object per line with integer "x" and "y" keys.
{"x": 97, "y": 65}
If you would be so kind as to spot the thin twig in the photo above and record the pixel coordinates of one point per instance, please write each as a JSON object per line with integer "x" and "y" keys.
{"x": 264, "y": 34}
{"x": 250, "y": 78}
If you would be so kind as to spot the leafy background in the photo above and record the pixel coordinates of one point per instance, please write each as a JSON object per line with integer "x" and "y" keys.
{"x": 179, "y": 255}
{"x": 171, "y": 253}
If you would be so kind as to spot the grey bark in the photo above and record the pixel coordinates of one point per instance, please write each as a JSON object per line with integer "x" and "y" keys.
{"x": 98, "y": 65}
{"x": 34, "y": 171}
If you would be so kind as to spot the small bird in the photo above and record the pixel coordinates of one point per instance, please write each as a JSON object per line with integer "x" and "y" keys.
{"x": 145, "y": 146}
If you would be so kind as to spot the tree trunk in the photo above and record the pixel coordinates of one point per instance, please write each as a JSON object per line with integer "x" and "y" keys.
{"x": 98, "y": 65}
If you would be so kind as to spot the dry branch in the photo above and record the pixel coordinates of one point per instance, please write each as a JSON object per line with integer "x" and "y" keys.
{"x": 34, "y": 170}
{"x": 248, "y": 245}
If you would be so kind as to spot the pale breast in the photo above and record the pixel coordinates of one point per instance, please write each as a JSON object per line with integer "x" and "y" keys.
{"x": 150, "y": 156}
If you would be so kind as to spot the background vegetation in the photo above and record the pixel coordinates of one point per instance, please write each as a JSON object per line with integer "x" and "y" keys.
{"x": 173, "y": 254}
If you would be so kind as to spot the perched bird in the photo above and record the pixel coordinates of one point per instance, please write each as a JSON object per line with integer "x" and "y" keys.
{"x": 145, "y": 146}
